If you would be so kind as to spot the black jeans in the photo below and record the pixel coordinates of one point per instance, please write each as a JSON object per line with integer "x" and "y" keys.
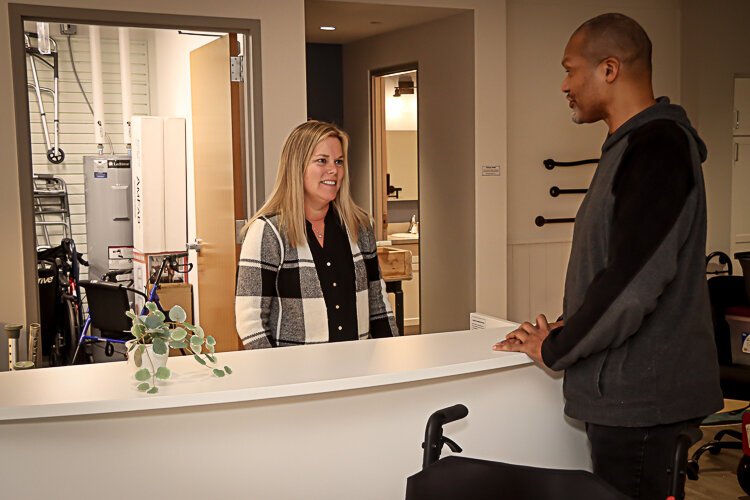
{"x": 635, "y": 460}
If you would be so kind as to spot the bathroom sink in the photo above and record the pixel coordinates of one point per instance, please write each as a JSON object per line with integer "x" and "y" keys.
{"x": 403, "y": 236}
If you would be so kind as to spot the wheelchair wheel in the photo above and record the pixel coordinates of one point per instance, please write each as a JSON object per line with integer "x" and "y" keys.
{"x": 56, "y": 351}
{"x": 743, "y": 474}
{"x": 693, "y": 468}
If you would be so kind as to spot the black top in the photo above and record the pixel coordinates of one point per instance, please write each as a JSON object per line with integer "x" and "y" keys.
{"x": 335, "y": 267}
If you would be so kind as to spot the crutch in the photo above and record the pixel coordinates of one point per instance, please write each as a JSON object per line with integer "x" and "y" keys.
{"x": 14, "y": 333}
{"x": 35, "y": 343}
{"x": 54, "y": 154}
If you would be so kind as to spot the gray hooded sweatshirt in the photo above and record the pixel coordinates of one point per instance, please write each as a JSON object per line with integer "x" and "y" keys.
{"x": 637, "y": 346}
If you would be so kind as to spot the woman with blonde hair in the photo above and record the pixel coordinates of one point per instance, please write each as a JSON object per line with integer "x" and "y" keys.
{"x": 308, "y": 270}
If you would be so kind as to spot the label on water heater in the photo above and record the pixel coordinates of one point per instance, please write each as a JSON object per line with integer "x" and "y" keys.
{"x": 100, "y": 175}
{"x": 120, "y": 163}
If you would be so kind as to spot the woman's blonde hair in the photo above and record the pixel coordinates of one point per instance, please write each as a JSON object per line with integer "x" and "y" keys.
{"x": 288, "y": 195}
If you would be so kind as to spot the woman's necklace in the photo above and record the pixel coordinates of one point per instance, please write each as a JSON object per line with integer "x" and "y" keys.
{"x": 321, "y": 232}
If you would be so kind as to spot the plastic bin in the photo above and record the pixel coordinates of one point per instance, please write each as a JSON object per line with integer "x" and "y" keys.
{"x": 739, "y": 334}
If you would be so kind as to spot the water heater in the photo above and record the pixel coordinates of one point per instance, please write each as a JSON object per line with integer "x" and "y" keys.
{"x": 109, "y": 214}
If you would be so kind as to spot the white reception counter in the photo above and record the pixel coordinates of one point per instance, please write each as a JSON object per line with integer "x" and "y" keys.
{"x": 327, "y": 421}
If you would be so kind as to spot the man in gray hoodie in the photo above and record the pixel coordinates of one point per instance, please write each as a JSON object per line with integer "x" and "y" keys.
{"x": 636, "y": 342}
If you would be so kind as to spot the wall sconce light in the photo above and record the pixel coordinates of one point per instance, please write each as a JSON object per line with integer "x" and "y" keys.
{"x": 405, "y": 86}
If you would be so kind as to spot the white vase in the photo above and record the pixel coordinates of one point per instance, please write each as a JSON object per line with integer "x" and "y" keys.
{"x": 149, "y": 359}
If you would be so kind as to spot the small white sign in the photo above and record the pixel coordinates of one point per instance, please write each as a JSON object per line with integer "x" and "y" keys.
{"x": 490, "y": 170}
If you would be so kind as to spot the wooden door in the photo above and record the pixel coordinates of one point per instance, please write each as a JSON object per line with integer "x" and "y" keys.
{"x": 219, "y": 196}
{"x": 379, "y": 157}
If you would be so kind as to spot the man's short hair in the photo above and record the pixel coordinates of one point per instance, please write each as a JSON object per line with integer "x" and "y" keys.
{"x": 616, "y": 35}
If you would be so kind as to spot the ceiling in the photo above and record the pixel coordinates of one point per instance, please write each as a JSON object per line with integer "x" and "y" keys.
{"x": 355, "y": 21}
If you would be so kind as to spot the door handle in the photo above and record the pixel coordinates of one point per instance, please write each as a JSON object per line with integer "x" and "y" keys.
{"x": 196, "y": 245}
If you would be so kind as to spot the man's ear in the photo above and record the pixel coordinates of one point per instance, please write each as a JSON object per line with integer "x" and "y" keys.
{"x": 611, "y": 68}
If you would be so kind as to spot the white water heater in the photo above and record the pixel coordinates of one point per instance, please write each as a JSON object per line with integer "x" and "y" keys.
{"x": 159, "y": 184}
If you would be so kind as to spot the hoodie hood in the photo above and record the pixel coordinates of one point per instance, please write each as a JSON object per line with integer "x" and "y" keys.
{"x": 662, "y": 110}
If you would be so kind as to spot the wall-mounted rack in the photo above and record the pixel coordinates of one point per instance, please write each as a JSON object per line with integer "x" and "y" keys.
{"x": 556, "y": 191}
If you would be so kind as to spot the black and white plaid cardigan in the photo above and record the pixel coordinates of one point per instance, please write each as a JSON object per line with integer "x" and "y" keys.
{"x": 279, "y": 300}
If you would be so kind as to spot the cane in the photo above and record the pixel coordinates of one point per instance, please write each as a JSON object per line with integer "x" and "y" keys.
{"x": 35, "y": 332}
{"x": 14, "y": 333}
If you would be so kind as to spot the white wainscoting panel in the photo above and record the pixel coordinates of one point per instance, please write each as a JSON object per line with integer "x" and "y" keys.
{"x": 536, "y": 279}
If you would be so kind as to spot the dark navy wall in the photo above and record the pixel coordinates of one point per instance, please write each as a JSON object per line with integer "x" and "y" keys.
{"x": 325, "y": 83}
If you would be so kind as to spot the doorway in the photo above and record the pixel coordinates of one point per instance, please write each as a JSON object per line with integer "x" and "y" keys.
{"x": 159, "y": 57}
{"x": 395, "y": 146}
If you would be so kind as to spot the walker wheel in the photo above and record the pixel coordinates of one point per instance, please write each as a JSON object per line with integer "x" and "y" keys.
{"x": 714, "y": 450}
{"x": 743, "y": 474}
{"x": 693, "y": 467}
{"x": 55, "y": 157}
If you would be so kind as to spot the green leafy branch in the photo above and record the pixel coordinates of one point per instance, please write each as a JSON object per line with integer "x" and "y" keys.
{"x": 153, "y": 329}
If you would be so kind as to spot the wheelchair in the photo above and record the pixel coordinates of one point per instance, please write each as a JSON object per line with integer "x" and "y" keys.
{"x": 108, "y": 300}
{"x": 472, "y": 479}
{"x": 61, "y": 316}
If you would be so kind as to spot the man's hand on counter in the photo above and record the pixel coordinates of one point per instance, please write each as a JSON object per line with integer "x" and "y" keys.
{"x": 528, "y": 338}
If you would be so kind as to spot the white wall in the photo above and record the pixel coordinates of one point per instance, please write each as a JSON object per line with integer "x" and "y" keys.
{"x": 400, "y": 112}
{"x": 539, "y": 127}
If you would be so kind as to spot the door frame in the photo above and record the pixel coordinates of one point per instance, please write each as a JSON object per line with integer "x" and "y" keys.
{"x": 378, "y": 147}
{"x": 253, "y": 99}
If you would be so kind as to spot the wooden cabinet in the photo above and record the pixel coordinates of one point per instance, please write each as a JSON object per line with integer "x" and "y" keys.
{"x": 741, "y": 118}
{"x": 740, "y": 225}
{"x": 740, "y": 217}
{"x": 411, "y": 290}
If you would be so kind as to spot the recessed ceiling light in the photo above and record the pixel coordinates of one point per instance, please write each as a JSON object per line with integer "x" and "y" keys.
{"x": 328, "y": 28}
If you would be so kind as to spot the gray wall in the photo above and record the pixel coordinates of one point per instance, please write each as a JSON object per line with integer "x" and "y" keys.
{"x": 325, "y": 93}
{"x": 444, "y": 52}
{"x": 715, "y": 49}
